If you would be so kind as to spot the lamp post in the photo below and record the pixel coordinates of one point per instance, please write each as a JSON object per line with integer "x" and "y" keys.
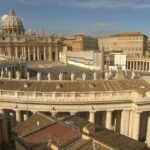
{"x": 26, "y": 87}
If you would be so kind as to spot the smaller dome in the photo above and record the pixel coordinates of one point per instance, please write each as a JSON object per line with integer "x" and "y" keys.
{"x": 12, "y": 24}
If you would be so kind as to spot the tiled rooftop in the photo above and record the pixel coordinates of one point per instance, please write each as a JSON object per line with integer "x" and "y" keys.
{"x": 139, "y": 85}
{"x": 31, "y": 124}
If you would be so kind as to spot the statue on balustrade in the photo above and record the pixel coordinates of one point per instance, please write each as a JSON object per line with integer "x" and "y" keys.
{"x": 83, "y": 76}
{"x": 72, "y": 76}
{"x": 49, "y": 76}
{"x": 9, "y": 75}
{"x": 110, "y": 74}
{"x": 2, "y": 74}
{"x": 60, "y": 76}
{"x": 18, "y": 75}
{"x": 132, "y": 75}
{"x": 38, "y": 76}
{"x": 106, "y": 75}
{"x": 95, "y": 76}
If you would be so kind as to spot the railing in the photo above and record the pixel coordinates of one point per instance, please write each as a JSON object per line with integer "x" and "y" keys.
{"x": 62, "y": 97}
{"x": 10, "y": 61}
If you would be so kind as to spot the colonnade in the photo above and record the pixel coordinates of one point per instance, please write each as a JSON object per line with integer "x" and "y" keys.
{"x": 126, "y": 122}
{"x": 32, "y": 53}
{"x": 138, "y": 64}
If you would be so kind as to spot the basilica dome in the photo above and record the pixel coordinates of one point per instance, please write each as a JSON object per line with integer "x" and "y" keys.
{"x": 12, "y": 24}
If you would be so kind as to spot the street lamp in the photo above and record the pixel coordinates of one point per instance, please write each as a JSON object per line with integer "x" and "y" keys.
{"x": 26, "y": 85}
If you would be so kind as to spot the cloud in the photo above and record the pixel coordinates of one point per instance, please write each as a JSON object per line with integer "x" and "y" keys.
{"x": 92, "y": 4}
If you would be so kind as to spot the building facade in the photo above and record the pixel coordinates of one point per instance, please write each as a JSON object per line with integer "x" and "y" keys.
{"x": 133, "y": 43}
{"x": 16, "y": 43}
{"x": 81, "y": 43}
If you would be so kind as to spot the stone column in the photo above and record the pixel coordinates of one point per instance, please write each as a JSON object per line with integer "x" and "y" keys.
{"x": 34, "y": 53}
{"x": 146, "y": 66}
{"x": 50, "y": 53}
{"x": 108, "y": 119}
{"x": 143, "y": 67}
{"x": 25, "y": 116}
{"x": 148, "y": 131}
{"x": 44, "y": 53}
{"x": 22, "y": 51}
{"x": 38, "y": 53}
{"x": 16, "y": 52}
{"x": 9, "y": 51}
{"x": 137, "y": 66}
{"x": 0, "y": 50}
{"x": 25, "y": 55}
{"x": 56, "y": 53}
{"x": 12, "y": 119}
{"x": 18, "y": 116}
{"x": 130, "y": 65}
{"x": 1, "y": 111}
{"x": 125, "y": 118}
{"x": 29, "y": 58}
{"x": 92, "y": 116}
{"x": 136, "y": 126}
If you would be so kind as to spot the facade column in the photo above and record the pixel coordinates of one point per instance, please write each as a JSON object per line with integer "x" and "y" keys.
{"x": 16, "y": 52}
{"x": 18, "y": 116}
{"x": 44, "y": 53}
{"x": 137, "y": 66}
{"x": 125, "y": 119}
{"x": 50, "y": 53}
{"x": 108, "y": 120}
{"x": 148, "y": 131}
{"x": 9, "y": 51}
{"x": 38, "y": 53}
{"x": 146, "y": 66}
{"x": 25, "y": 116}
{"x": 149, "y": 67}
{"x": 143, "y": 67}
{"x": 92, "y": 116}
{"x": 0, "y": 50}
{"x": 34, "y": 53}
{"x": 12, "y": 119}
{"x": 29, "y": 56}
{"x": 25, "y": 54}
{"x": 130, "y": 65}
{"x": 56, "y": 53}
{"x": 136, "y": 125}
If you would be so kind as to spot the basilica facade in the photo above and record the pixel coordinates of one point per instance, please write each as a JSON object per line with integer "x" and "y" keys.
{"x": 16, "y": 43}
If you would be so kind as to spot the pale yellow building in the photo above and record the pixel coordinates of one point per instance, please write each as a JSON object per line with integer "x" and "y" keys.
{"x": 133, "y": 43}
{"x": 81, "y": 43}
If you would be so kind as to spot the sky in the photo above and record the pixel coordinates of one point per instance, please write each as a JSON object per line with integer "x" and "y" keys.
{"x": 89, "y": 17}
